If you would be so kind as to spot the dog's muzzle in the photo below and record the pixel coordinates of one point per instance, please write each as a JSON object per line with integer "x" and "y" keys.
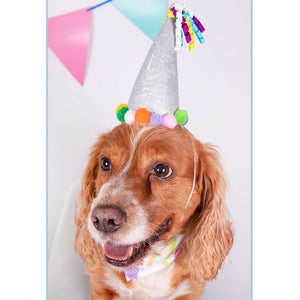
{"x": 108, "y": 219}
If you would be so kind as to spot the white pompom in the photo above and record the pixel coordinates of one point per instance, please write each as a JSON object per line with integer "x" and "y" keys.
{"x": 129, "y": 117}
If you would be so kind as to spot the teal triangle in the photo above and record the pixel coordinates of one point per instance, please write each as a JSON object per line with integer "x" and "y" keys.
{"x": 147, "y": 15}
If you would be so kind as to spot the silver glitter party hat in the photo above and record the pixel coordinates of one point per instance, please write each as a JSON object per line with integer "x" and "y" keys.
{"x": 154, "y": 97}
{"x": 156, "y": 87}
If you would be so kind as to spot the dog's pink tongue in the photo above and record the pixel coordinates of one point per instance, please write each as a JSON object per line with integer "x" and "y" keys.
{"x": 119, "y": 252}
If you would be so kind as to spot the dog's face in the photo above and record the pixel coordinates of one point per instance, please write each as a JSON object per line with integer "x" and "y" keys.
{"x": 134, "y": 194}
{"x": 144, "y": 179}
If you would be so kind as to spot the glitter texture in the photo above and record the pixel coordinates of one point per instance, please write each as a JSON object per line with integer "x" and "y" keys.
{"x": 156, "y": 87}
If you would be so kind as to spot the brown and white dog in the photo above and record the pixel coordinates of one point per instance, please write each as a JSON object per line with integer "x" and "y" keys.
{"x": 133, "y": 196}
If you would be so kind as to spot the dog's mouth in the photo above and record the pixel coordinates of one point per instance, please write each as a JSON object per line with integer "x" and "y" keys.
{"x": 125, "y": 255}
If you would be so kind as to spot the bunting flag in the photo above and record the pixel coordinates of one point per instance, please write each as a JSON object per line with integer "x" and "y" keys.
{"x": 146, "y": 15}
{"x": 69, "y": 34}
{"x": 69, "y": 37}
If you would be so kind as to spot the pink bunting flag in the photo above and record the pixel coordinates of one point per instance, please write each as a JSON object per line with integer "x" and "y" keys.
{"x": 69, "y": 37}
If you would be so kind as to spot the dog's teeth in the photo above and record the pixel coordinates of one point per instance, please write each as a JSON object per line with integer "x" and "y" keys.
{"x": 130, "y": 252}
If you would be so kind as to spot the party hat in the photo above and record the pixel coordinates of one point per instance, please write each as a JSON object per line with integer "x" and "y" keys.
{"x": 154, "y": 98}
{"x": 156, "y": 87}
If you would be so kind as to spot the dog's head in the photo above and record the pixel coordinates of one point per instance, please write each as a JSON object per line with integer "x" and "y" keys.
{"x": 134, "y": 192}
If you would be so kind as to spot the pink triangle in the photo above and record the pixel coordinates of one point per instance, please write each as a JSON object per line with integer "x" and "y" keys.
{"x": 68, "y": 38}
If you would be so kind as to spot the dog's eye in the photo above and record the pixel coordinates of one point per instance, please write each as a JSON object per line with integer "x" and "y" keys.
{"x": 105, "y": 164}
{"x": 163, "y": 171}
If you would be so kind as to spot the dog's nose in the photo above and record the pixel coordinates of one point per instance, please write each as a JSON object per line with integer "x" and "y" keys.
{"x": 108, "y": 219}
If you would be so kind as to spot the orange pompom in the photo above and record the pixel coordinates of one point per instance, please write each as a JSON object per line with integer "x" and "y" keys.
{"x": 142, "y": 116}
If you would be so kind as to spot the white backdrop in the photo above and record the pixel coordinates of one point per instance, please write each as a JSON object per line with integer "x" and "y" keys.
{"x": 214, "y": 86}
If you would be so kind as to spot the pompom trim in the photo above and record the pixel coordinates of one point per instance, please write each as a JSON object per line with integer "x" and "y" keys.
{"x": 144, "y": 117}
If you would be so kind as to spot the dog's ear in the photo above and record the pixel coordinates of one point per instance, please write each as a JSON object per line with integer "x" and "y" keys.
{"x": 84, "y": 244}
{"x": 211, "y": 236}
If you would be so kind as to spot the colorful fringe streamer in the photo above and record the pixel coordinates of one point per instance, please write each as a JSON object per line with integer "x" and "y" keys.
{"x": 186, "y": 27}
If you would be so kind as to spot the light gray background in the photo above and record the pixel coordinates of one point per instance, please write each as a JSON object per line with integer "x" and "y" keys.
{"x": 214, "y": 86}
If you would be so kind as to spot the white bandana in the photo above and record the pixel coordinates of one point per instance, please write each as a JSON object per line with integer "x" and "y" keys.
{"x": 156, "y": 261}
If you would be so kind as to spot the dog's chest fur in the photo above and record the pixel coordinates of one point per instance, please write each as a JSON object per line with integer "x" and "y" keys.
{"x": 155, "y": 286}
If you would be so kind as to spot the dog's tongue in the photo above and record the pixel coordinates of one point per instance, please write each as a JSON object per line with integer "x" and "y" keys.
{"x": 119, "y": 252}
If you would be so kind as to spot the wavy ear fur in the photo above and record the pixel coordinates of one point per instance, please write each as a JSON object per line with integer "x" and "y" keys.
{"x": 84, "y": 244}
{"x": 211, "y": 236}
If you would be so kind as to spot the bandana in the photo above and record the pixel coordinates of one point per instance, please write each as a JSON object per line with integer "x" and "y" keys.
{"x": 157, "y": 261}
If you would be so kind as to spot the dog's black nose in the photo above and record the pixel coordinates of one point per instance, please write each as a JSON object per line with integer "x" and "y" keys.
{"x": 108, "y": 219}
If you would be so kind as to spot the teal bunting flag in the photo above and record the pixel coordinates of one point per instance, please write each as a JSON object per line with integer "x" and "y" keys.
{"x": 145, "y": 14}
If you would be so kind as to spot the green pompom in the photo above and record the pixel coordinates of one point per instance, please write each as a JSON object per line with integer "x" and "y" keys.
{"x": 121, "y": 113}
{"x": 181, "y": 117}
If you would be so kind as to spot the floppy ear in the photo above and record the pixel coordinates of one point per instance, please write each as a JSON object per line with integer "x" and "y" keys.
{"x": 84, "y": 244}
{"x": 211, "y": 236}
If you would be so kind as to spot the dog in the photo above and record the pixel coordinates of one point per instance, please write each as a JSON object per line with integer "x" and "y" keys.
{"x": 142, "y": 186}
